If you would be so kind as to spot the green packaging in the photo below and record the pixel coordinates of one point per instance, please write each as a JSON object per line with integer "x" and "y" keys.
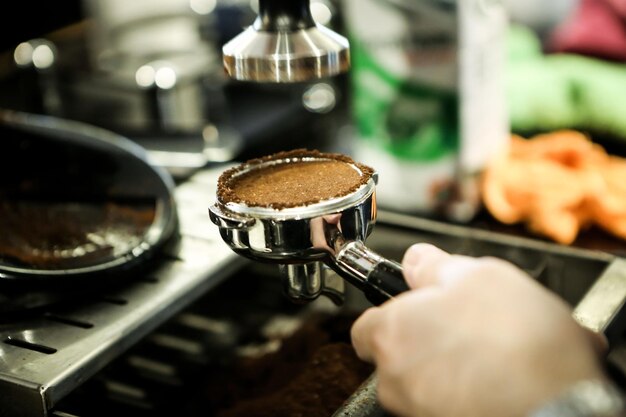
{"x": 427, "y": 98}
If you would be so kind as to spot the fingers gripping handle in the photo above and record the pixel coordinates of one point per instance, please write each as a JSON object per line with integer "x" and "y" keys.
{"x": 379, "y": 278}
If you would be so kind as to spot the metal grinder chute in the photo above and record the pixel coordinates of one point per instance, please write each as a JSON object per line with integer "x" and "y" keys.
{"x": 284, "y": 45}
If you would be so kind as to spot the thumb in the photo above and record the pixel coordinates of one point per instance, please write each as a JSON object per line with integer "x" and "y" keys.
{"x": 418, "y": 263}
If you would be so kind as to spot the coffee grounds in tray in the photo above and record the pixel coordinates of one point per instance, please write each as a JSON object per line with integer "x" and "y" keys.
{"x": 311, "y": 375}
{"x": 299, "y": 178}
{"x": 63, "y": 235}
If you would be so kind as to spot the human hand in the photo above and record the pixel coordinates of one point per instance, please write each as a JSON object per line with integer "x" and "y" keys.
{"x": 475, "y": 337}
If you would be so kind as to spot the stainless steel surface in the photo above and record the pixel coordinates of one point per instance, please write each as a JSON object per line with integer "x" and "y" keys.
{"x": 363, "y": 402}
{"x": 358, "y": 260}
{"x": 330, "y": 231}
{"x": 285, "y": 45}
{"x": 569, "y": 272}
{"x": 605, "y": 299}
{"x": 305, "y": 282}
{"x": 44, "y": 358}
{"x": 184, "y": 367}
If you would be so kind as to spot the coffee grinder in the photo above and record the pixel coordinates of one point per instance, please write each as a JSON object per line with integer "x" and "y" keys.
{"x": 284, "y": 44}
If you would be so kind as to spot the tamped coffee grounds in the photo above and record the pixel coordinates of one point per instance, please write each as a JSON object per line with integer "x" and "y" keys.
{"x": 298, "y": 178}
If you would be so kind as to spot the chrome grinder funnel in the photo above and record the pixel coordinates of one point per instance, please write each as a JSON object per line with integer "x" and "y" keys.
{"x": 284, "y": 44}
{"x": 305, "y": 238}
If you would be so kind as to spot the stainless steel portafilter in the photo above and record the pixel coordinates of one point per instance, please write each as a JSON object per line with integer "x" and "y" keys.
{"x": 313, "y": 242}
{"x": 284, "y": 44}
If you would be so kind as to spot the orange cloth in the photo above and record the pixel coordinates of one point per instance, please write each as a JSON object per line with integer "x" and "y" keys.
{"x": 557, "y": 184}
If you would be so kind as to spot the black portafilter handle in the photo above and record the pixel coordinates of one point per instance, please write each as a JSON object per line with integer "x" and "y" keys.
{"x": 384, "y": 282}
{"x": 379, "y": 278}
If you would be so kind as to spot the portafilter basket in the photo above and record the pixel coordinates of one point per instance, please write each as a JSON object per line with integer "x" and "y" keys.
{"x": 304, "y": 238}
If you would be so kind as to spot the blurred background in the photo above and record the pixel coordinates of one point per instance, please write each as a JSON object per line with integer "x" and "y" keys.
{"x": 496, "y": 127}
{"x": 435, "y": 90}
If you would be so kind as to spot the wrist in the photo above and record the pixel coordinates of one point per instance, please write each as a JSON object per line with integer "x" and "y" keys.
{"x": 588, "y": 398}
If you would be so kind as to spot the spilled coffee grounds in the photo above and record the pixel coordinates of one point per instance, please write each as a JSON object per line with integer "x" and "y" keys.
{"x": 311, "y": 375}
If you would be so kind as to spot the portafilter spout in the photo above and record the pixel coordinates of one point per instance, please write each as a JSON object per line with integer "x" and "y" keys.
{"x": 284, "y": 44}
{"x": 296, "y": 228}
